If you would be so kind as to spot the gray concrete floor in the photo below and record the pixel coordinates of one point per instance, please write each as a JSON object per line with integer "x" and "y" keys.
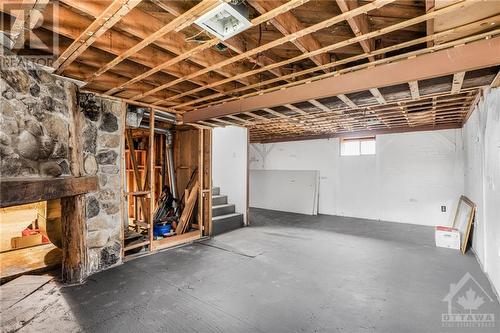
{"x": 285, "y": 273}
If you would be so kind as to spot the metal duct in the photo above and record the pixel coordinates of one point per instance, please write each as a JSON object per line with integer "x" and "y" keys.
{"x": 169, "y": 141}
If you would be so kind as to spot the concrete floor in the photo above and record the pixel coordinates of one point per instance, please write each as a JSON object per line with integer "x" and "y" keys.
{"x": 285, "y": 273}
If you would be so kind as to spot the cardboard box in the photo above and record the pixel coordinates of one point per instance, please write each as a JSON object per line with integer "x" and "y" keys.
{"x": 26, "y": 241}
{"x": 447, "y": 237}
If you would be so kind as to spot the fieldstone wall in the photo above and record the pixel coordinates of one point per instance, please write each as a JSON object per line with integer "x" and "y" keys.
{"x": 101, "y": 147}
{"x": 34, "y": 123}
{"x": 39, "y": 115}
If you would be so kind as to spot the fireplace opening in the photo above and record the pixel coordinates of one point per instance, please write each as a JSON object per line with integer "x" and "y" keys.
{"x": 30, "y": 238}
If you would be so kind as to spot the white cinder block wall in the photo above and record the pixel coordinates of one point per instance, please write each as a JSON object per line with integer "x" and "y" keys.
{"x": 230, "y": 164}
{"x": 481, "y": 136}
{"x": 408, "y": 180}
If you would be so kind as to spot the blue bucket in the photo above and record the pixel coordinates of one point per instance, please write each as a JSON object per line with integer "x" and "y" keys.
{"x": 161, "y": 229}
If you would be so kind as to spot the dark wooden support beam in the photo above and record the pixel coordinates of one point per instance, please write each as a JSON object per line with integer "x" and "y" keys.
{"x": 74, "y": 237}
{"x": 17, "y": 192}
{"x": 468, "y": 57}
{"x": 356, "y": 134}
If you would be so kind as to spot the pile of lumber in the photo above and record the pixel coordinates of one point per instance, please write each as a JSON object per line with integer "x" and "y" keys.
{"x": 190, "y": 197}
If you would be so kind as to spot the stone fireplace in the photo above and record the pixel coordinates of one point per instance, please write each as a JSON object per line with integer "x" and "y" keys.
{"x": 54, "y": 138}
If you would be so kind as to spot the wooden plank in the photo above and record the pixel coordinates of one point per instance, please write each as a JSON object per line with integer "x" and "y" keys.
{"x": 185, "y": 217}
{"x": 108, "y": 18}
{"x": 22, "y": 313}
{"x": 472, "y": 56}
{"x": 20, "y": 191}
{"x": 18, "y": 289}
{"x": 36, "y": 258}
{"x": 185, "y": 238}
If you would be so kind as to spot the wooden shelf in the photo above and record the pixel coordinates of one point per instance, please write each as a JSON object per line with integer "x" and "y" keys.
{"x": 136, "y": 245}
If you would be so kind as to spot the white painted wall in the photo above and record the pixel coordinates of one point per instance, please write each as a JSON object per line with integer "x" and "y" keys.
{"x": 408, "y": 180}
{"x": 229, "y": 164}
{"x": 481, "y": 136}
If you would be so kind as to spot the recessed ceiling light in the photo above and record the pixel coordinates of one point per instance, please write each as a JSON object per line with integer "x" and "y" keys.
{"x": 225, "y": 20}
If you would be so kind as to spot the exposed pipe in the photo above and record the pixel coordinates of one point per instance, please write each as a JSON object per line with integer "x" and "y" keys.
{"x": 169, "y": 141}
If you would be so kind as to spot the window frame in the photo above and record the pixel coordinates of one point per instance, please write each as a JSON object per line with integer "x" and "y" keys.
{"x": 359, "y": 140}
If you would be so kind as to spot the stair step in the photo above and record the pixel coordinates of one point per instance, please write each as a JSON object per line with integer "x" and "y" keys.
{"x": 223, "y": 209}
{"x": 225, "y": 223}
{"x": 215, "y": 190}
{"x": 219, "y": 200}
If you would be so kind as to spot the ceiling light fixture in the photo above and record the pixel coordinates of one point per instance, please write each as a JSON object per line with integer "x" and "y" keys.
{"x": 225, "y": 20}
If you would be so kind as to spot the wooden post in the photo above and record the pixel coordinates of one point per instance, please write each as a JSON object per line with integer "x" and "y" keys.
{"x": 151, "y": 168}
{"x": 74, "y": 233}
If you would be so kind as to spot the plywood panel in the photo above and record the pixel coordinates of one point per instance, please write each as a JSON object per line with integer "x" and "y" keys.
{"x": 293, "y": 191}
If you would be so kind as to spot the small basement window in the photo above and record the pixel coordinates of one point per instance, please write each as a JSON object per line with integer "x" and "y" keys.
{"x": 357, "y": 146}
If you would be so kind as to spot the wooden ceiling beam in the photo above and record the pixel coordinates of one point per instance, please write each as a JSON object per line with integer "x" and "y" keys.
{"x": 415, "y": 92}
{"x": 282, "y": 40}
{"x": 70, "y": 23}
{"x": 373, "y": 34}
{"x": 401, "y": 129}
{"x": 256, "y": 116}
{"x": 359, "y": 25}
{"x": 276, "y": 113}
{"x": 347, "y": 101}
{"x": 295, "y": 109}
{"x": 471, "y": 56}
{"x": 141, "y": 25}
{"x": 458, "y": 80}
{"x": 242, "y": 56}
{"x": 378, "y": 95}
{"x": 244, "y": 121}
{"x": 319, "y": 105}
{"x": 236, "y": 43}
{"x": 176, "y": 24}
{"x": 287, "y": 23}
{"x": 106, "y": 20}
{"x": 429, "y": 24}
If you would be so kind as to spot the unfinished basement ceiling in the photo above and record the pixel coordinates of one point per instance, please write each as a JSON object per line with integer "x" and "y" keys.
{"x": 151, "y": 52}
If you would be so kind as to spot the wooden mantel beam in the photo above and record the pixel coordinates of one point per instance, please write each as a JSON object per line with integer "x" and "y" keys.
{"x": 22, "y": 191}
{"x": 463, "y": 58}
